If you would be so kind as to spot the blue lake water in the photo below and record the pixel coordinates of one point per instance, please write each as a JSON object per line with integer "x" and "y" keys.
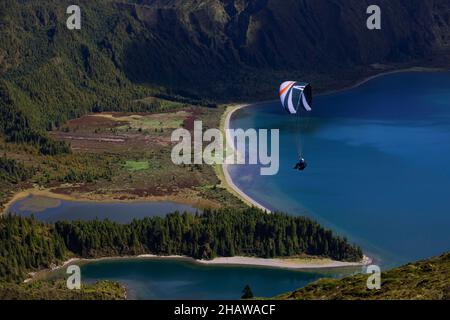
{"x": 162, "y": 278}
{"x": 378, "y": 173}
{"x": 378, "y": 164}
{"x": 51, "y": 210}
{"x": 172, "y": 279}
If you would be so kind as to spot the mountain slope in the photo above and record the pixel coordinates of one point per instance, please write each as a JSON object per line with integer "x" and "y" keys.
{"x": 57, "y": 290}
{"x": 427, "y": 279}
{"x": 231, "y": 48}
{"x": 215, "y": 49}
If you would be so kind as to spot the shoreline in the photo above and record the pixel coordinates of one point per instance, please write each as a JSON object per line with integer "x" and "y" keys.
{"x": 312, "y": 263}
{"x": 225, "y": 124}
{"x": 308, "y": 263}
{"x": 105, "y": 198}
{"x": 221, "y": 172}
{"x": 382, "y": 74}
{"x": 230, "y": 110}
{"x": 227, "y": 181}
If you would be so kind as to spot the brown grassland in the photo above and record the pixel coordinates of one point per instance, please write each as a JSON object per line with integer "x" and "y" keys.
{"x": 122, "y": 156}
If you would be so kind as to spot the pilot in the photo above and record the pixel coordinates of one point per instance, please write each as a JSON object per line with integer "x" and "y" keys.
{"x": 301, "y": 165}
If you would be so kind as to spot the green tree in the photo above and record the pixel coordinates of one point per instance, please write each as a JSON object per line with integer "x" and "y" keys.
{"x": 247, "y": 293}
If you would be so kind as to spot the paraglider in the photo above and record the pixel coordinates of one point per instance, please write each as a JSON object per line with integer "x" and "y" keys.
{"x": 296, "y": 97}
{"x": 301, "y": 165}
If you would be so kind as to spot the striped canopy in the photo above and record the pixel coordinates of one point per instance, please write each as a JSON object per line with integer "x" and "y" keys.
{"x": 294, "y": 95}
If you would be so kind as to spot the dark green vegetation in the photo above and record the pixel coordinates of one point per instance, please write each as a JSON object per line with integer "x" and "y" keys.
{"x": 13, "y": 172}
{"x": 57, "y": 290}
{"x": 427, "y": 279}
{"x": 49, "y": 74}
{"x": 244, "y": 49}
{"x": 191, "y": 50}
{"x": 247, "y": 293}
{"x": 119, "y": 157}
{"x": 134, "y": 56}
{"x": 22, "y": 165}
{"x": 224, "y": 233}
{"x": 27, "y": 245}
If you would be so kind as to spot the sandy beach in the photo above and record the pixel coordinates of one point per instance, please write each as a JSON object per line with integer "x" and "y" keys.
{"x": 381, "y": 74}
{"x": 286, "y": 263}
{"x": 303, "y": 263}
{"x": 228, "y": 182}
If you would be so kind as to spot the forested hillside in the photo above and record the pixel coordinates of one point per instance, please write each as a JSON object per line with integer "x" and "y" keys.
{"x": 422, "y": 280}
{"x": 49, "y": 74}
{"x": 128, "y": 56}
{"x": 57, "y": 290}
{"x": 200, "y": 49}
{"x": 224, "y": 233}
{"x": 27, "y": 245}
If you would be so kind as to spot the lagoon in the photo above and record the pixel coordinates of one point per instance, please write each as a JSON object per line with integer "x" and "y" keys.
{"x": 163, "y": 278}
{"x": 180, "y": 279}
{"x": 49, "y": 209}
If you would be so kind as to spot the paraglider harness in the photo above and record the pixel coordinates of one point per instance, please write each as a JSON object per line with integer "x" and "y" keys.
{"x": 305, "y": 98}
{"x": 301, "y": 165}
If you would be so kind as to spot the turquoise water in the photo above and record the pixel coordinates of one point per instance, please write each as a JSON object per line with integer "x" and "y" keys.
{"x": 172, "y": 279}
{"x": 379, "y": 165}
{"x": 51, "y": 210}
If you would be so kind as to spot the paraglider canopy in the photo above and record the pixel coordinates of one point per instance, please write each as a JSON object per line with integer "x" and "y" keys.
{"x": 295, "y": 95}
{"x": 296, "y": 98}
